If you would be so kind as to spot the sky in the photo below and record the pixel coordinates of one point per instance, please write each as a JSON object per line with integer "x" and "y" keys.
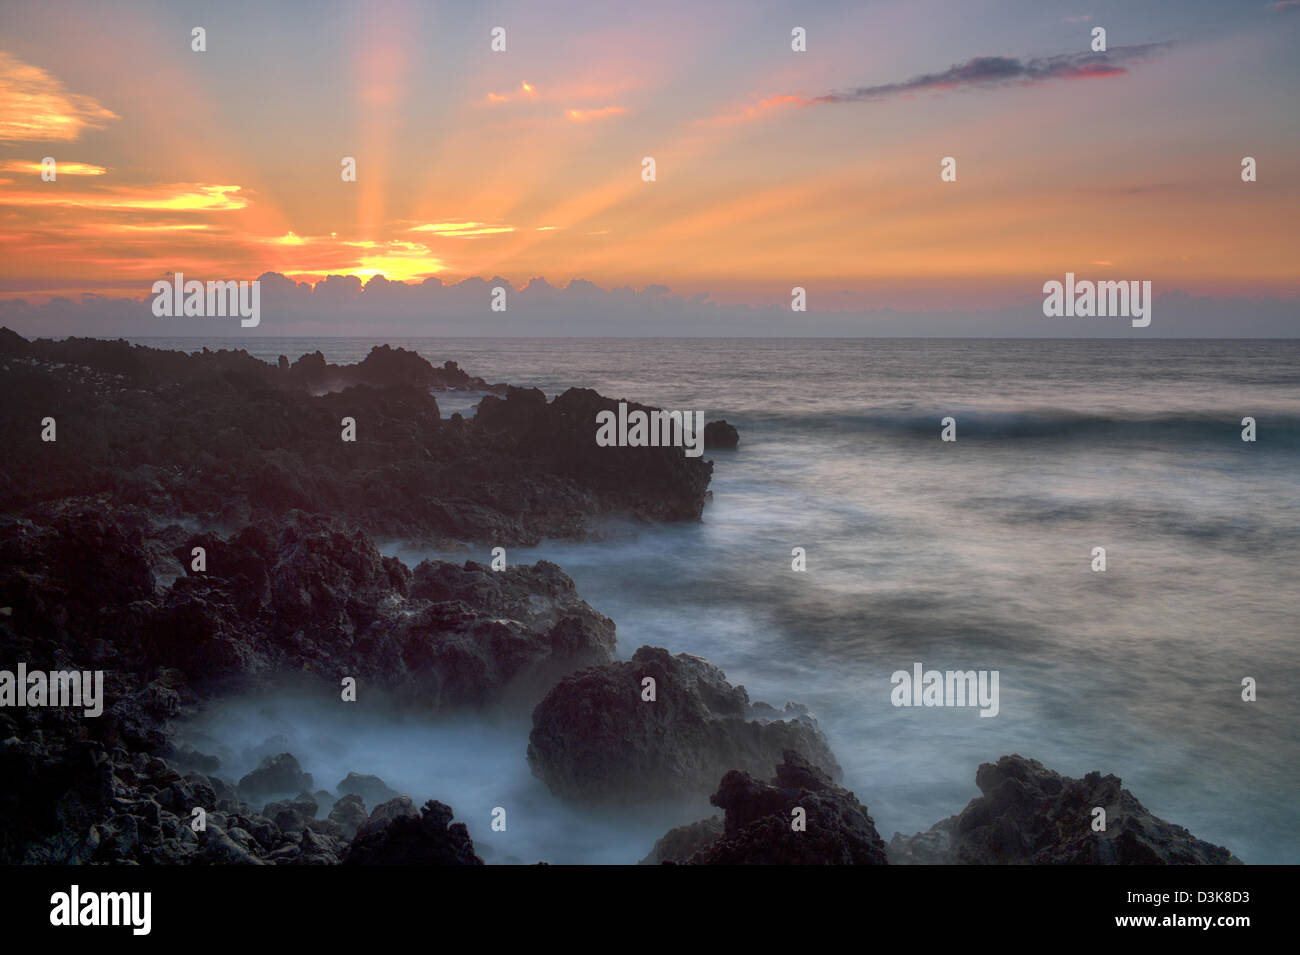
{"x": 773, "y": 168}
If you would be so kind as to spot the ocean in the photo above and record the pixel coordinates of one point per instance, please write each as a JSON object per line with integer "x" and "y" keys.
{"x": 975, "y": 554}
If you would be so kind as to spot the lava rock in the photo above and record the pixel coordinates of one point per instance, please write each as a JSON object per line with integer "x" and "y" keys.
{"x": 291, "y": 815}
{"x": 596, "y": 740}
{"x": 759, "y": 823}
{"x": 304, "y": 594}
{"x": 350, "y": 814}
{"x": 247, "y": 440}
{"x": 371, "y": 789}
{"x": 678, "y": 845}
{"x": 1030, "y": 814}
{"x": 276, "y": 774}
{"x": 720, "y": 435}
{"x": 397, "y": 835}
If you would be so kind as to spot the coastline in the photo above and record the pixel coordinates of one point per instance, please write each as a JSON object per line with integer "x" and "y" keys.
{"x": 299, "y": 571}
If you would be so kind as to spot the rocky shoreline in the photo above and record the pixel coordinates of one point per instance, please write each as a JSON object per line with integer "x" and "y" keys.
{"x": 198, "y": 528}
{"x": 226, "y": 439}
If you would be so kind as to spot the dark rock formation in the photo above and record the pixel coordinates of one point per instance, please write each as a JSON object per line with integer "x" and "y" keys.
{"x": 159, "y": 453}
{"x": 112, "y": 590}
{"x": 290, "y": 815}
{"x": 297, "y": 594}
{"x": 371, "y": 789}
{"x": 385, "y": 366}
{"x": 679, "y": 844}
{"x": 720, "y": 435}
{"x": 141, "y": 365}
{"x": 350, "y": 814}
{"x": 596, "y": 740}
{"x": 759, "y": 828}
{"x": 395, "y": 834}
{"x": 925, "y": 848}
{"x": 186, "y": 758}
{"x": 225, "y": 438}
{"x": 1029, "y": 814}
{"x": 560, "y": 439}
{"x": 276, "y": 774}
{"x": 70, "y": 802}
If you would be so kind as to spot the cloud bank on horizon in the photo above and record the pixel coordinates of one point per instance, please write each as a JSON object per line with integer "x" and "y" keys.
{"x": 347, "y": 306}
{"x": 473, "y": 163}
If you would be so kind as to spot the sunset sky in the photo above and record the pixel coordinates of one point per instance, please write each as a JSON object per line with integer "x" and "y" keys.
{"x": 774, "y": 168}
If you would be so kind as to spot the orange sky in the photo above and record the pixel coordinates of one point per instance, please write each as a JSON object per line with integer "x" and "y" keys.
{"x": 226, "y": 163}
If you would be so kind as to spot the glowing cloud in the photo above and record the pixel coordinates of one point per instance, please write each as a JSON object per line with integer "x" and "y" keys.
{"x": 400, "y": 261}
{"x": 461, "y": 229}
{"x": 587, "y": 115}
{"x": 179, "y": 197}
{"x": 130, "y": 228}
{"x": 61, "y": 168}
{"x": 748, "y": 113}
{"x": 34, "y": 106}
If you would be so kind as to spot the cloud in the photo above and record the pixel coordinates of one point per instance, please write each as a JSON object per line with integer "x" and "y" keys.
{"x": 526, "y": 90}
{"x": 747, "y": 113}
{"x": 35, "y": 107}
{"x": 587, "y": 115}
{"x": 147, "y": 228}
{"x": 60, "y": 168}
{"x": 395, "y": 259}
{"x": 981, "y": 71}
{"x": 380, "y": 308}
{"x": 462, "y": 230}
{"x": 177, "y": 197}
{"x": 988, "y": 71}
{"x": 1287, "y": 6}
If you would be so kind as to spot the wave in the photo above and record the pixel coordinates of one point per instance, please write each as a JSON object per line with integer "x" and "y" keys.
{"x": 1274, "y": 429}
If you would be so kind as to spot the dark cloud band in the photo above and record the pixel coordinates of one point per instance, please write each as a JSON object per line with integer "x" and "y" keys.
{"x": 995, "y": 70}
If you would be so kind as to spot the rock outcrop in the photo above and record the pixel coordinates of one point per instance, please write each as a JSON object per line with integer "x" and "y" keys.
{"x": 680, "y": 843}
{"x": 559, "y": 438}
{"x": 76, "y": 802}
{"x": 384, "y": 367}
{"x": 395, "y": 834}
{"x": 297, "y": 594}
{"x": 223, "y": 438}
{"x": 764, "y": 824}
{"x": 370, "y": 789}
{"x": 200, "y": 526}
{"x": 111, "y": 590}
{"x": 720, "y": 435}
{"x": 597, "y": 739}
{"x": 1031, "y": 815}
{"x": 275, "y": 775}
{"x": 349, "y": 813}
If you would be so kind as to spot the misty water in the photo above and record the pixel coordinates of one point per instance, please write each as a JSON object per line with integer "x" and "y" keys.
{"x": 971, "y": 555}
